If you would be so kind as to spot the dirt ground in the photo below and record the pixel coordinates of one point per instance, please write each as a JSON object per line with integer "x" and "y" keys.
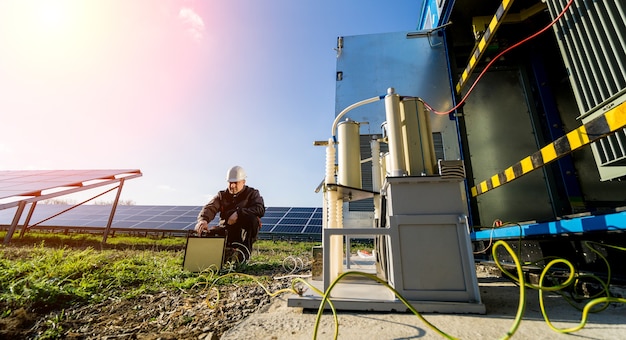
{"x": 166, "y": 315}
{"x": 250, "y": 313}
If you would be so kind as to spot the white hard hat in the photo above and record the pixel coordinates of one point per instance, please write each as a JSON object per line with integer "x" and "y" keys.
{"x": 235, "y": 174}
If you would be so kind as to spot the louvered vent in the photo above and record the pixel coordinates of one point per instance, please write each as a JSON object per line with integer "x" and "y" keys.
{"x": 592, "y": 39}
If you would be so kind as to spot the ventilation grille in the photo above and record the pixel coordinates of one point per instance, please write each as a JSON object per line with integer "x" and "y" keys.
{"x": 592, "y": 39}
{"x": 612, "y": 149}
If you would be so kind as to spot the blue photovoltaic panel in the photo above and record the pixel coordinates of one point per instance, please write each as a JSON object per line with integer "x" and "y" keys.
{"x": 277, "y": 209}
{"x": 316, "y": 221}
{"x": 313, "y": 230}
{"x": 274, "y": 214}
{"x": 124, "y": 224}
{"x": 187, "y": 219}
{"x": 160, "y": 218}
{"x": 266, "y": 228}
{"x": 287, "y": 229}
{"x": 270, "y": 220}
{"x": 178, "y": 226}
{"x": 294, "y": 221}
{"x": 145, "y": 225}
{"x": 298, "y": 215}
{"x": 304, "y": 210}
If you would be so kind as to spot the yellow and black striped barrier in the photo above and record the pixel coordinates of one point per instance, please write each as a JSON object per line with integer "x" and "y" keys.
{"x": 593, "y": 130}
{"x": 481, "y": 46}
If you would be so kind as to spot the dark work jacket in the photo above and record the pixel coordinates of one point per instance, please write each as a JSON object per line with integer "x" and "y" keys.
{"x": 248, "y": 202}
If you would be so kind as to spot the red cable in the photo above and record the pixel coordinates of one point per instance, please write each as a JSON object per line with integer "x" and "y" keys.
{"x": 498, "y": 57}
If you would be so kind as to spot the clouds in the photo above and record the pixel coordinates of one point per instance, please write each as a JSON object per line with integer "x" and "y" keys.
{"x": 193, "y": 23}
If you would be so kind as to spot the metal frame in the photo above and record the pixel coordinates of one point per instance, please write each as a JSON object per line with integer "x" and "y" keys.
{"x": 615, "y": 222}
{"x": 107, "y": 177}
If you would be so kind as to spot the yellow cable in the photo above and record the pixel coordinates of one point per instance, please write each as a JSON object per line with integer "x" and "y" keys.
{"x": 522, "y": 289}
{"x": 325, "y": 298}
{"x": 573, "y": 277}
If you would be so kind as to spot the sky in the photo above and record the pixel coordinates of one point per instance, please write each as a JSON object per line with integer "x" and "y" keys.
{"x": 180, "y": 89}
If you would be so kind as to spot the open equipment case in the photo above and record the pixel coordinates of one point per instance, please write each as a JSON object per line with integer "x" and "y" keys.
{"x": 204, "y": 252}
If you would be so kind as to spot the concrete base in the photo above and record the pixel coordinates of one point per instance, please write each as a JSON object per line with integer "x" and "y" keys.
{"x": 362, "y": 294}
{"x": 359, "y": 293}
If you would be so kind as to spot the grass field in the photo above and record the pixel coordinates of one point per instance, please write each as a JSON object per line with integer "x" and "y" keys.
{"x": 49, "y": 271}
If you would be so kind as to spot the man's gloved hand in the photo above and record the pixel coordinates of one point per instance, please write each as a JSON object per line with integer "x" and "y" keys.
{"x": 201, "y": 226}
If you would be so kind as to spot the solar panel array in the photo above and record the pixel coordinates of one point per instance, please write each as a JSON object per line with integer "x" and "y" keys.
{"x": 290, "y": 221}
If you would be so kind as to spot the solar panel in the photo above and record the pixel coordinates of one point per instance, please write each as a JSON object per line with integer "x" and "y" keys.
{"x": 303, "y": 210}
{"x": 160, "y": 218}
{"x": 315, "y": 221}
{"x": 298, "y": 215}
{"x": 124, "y": 224}
{"x": 313, "y": 229}
{"x": 178, "y": 226}
{"x": 294, "y": 221}
{"x": 186, "y": 219}
{"x": 277, "y": 209}
{"x": 287, "y": 229}
{"x": 274, "y": 214}
{"x": 269, "y": 220}
{"x": 266, "y": 228}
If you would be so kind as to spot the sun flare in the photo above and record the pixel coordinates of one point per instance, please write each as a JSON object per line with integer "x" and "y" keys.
{"x": 51, "y": 15}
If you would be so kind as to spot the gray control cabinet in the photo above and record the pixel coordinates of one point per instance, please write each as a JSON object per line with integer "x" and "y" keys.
{"x": 429, "y": 255}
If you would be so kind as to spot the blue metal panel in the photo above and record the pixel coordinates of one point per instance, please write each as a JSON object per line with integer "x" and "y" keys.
{"x": 554, "y": 125}
{"x": 368, "y": 65}
{"x": 435, "y": 13}
{"x": 609, "y": 222}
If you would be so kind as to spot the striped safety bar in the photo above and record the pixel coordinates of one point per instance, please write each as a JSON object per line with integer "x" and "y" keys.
{"x": 593, "y": 130}
{"x": 481, "y": 46}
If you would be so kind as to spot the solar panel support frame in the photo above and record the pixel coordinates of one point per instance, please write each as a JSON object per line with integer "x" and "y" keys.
{"x": 113, "y": 208}
{"x": 21, "y": 204}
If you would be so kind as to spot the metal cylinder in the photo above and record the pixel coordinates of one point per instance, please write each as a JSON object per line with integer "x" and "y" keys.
{"x": 376, "y": 174}
{"x": 376, "y": 169}
{"x": 397, "y": 164}
{"x": 333, "y": 217}
{"x": 349, "y": 154}
{"x": 330, "y": 162}
{"x": 417, "y": 136}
